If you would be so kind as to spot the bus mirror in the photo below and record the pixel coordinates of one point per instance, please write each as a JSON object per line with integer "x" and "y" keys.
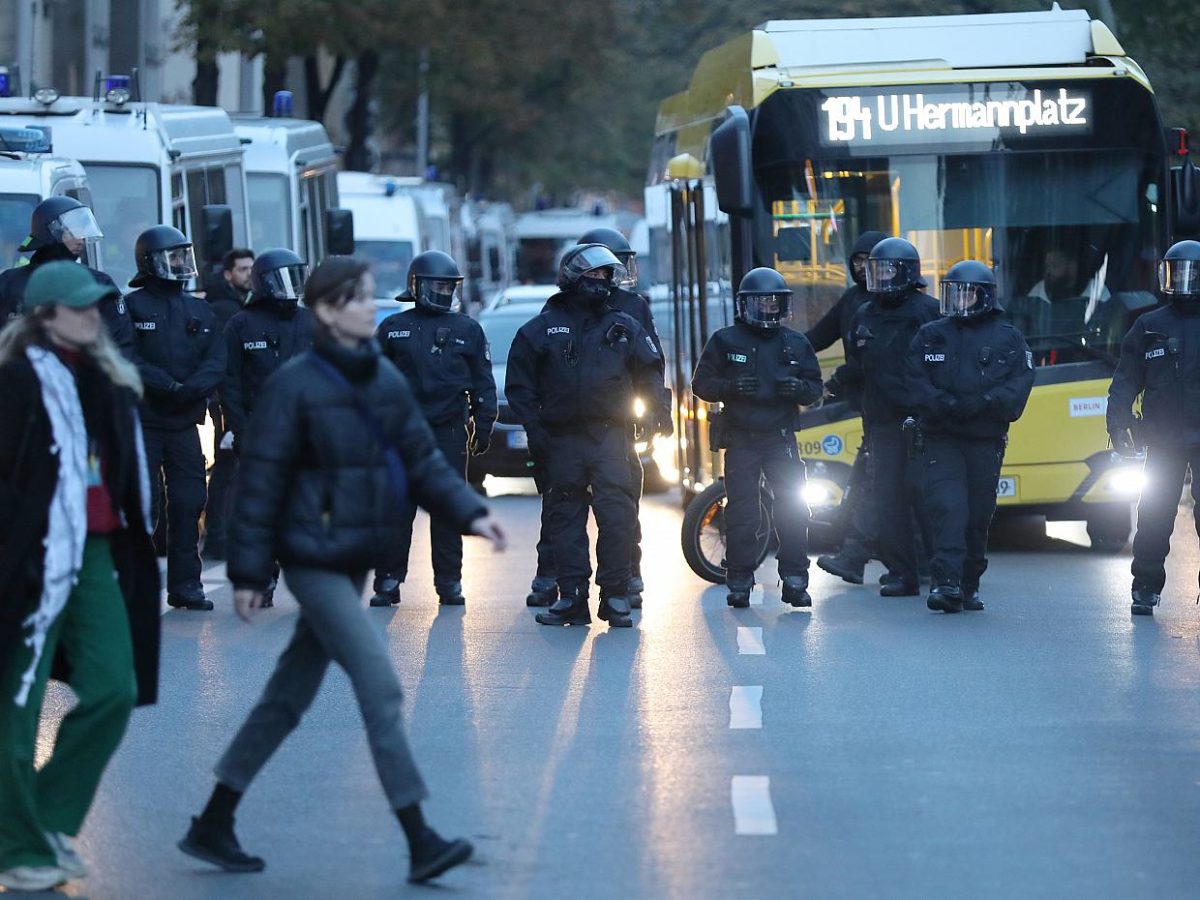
{"x": 1185, "y": 184}
{"x": 339, "y": 232}
{"x": 729, "y": 153}
{"x": 216, "y": 237}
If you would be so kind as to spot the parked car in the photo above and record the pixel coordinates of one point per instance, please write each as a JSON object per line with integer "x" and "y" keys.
{"x": 522, "y": 295}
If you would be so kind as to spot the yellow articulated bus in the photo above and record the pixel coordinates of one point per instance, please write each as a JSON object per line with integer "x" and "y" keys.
{"x": 1029, "y": 141}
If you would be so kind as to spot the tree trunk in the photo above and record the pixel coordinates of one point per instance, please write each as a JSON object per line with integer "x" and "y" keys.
{"x": 318, "y": 96}
{"x": 204, "y": 85}
{"x": 360, "y": 119}
{"x": 274, "y": 78}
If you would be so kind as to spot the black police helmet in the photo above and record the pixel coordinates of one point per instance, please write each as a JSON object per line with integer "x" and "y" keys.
{"x": 45, "y": 223}
{"x": 278, "y": 275}
{"x": 968, "y": 290}
{"x": 1179, "y": 271}
{"x": 434, "y": 281}
{"x": 764, "y": 299}
{"x": 582, "y": 259}
{"x": 619, "y": 245}
{"x": 893, "y": 267}
{"x": 165, "y": 253}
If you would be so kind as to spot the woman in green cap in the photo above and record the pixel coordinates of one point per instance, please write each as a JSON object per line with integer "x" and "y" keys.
{"x": 79, "y": 585}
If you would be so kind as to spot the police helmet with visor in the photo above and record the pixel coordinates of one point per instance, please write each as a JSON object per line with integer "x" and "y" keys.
{"x": 590, "y": 269}
{"x": 434, "y": 282}
{"x": 1179, "y": 271}
{"x": 893, "y": 267}
{"x": 278, "y": 275}
{"x": 764, "y": 299}
{"x": 621, "y": 249}
{"x": 61, "y": 220}
{"x": 968, "y": 290}
{"x": 164, "y": 253}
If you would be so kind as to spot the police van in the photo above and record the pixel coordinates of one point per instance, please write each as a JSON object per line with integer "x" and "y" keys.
{"x": 291, "y": 186}
{"x": 147, "y": 164}
{"x": 28, "y": 175}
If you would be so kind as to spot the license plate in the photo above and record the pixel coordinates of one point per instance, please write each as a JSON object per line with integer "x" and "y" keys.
{"x": 518, "y": 440}
{"x": 1007, "y": 487}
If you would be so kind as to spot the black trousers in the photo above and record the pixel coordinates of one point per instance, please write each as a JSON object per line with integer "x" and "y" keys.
{"x": 591, "y": 468}
{"x": 176, "y": 453}
{"x": 895, "y": 500}
{"x": 858, "y": 544}
{"x": 749, "y": 458}
{"x": 1165, "y": 470}
{"x": 960, "y": 477}
{"x": 445, "y": 541}
{"x": 221, "y": 478}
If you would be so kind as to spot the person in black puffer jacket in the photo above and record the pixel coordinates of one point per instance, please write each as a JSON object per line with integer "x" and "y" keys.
{"x": 336, "y": 444}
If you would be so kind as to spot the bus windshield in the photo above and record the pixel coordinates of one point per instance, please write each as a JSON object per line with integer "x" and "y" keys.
{"x": 15, "y": 212}
{"x": 1073, "y": 230}
{"x": 126, "y": 202}
{"x": 270, "y": 211}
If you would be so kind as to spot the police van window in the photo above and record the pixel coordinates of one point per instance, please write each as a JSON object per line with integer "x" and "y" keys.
{"x": 236, "y": 199}
{"x": 126, "y": 202}
{"x": 389, "y": 264}
{"x": 270, "y": 211}
{"x": 15, "y": 211}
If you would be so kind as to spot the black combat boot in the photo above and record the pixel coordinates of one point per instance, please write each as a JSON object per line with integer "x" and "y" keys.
{"x": 845, "y": 568}
{"x": 450, "y": 594}
{"x": 1144, "y": 602}
{"x": 740, "y": 585}
{"x": 432, "y": 855}
{"x": 971, "y": 601}
{"x": 636, "y": 586}
{"x": 387, "y": 590}
{"x": 947, "y": 598}
{"x": 570, "y": 609}
{"x": 615, "y": 611}
{"x": 543, "y": 592}
{"x": 795, "y": 591}
{"x": 896, "y": 586}
{"x": 189, "y": 597}
{"x": 215, "y": 842}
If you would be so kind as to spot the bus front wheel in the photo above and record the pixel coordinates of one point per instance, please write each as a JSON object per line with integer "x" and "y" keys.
{"x": 1108, "y": 528}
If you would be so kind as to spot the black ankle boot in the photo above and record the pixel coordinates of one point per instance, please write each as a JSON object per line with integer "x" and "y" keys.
{"x": 431, "y": 855}
{"x": 217, "y": 844}
{"x": 570, "y": 609}
{"x": 387, "y": 590}
{"x": 795, "y": 591}
{"x": 849, "y": 570}
{"x": 542, "y": 593}
{"x": 615, "y": 611}
{"x": 947, "y": 598}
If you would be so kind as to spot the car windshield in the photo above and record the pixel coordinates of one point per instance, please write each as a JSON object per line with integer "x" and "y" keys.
{"x": 15, "y": 211}
{"x": 389, "y": 264}
{"x": 126, "y": 202}
{"x": 269, "y": 211}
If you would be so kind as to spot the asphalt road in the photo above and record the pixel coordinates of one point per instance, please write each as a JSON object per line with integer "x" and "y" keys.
{"x": 1048, "y": 747}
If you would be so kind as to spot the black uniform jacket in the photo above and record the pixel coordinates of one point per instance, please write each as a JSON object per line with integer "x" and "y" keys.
{"x": 176, "y": 342}
{"x": 12, "y": 295}
{"x": 259, "y": 340}
{"x": 1160, "y": 359}
{"x": 28, "y": 478}
{"x": 446, "y": 359}
{"x": 574, "y": 365}
{"x": 954, "y": 358}
{"x": 225, "y": 300}
{"x": 877, "y": 351}
{"x": 314, "y": 485}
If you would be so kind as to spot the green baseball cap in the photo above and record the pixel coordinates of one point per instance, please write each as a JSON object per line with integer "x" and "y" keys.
{"x": 65, "y": 284}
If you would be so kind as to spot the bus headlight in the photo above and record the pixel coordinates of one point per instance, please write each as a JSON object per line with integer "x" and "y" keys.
{"x": 817, "y": 495}
{"x": 1128, "y": 481}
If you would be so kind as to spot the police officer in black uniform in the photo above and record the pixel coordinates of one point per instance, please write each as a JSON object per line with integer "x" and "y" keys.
{"x": 1160, "y": 360}
{"x": 970, "y": 375}
{"x": 573, "y": 374}
{"x": 658, "y": 420}
{"x": 181, "y": 357}
{"x": 879, "y": 337}
{"x": 762, "y": 372}
{"x": 226, "y": 293}
{"x": 858, "y": 508}
{"x": 445, "y": 356}
{"x": 60, "y": 229}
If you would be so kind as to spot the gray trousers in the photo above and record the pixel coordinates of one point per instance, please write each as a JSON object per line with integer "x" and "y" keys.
{"x": 333, "y": 626}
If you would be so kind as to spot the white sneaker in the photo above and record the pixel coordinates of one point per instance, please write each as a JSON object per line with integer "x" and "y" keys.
{"x": 32, "y": 878}
{"x": 67, "y": 856}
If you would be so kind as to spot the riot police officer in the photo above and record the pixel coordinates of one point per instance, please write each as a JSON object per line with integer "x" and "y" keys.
{"x": 858, "y": 508}
{"x": 970, "y": 375}
{"x": 573, "y": 373}
{"x": 658, "y": 421}
{"x": 762, "y": 372}
{"x": 445, "y": 356}
{"x": 181, "y": 357}
{"x": 879, "y": 336}
{"x": 61, "y": 229}
{"x": 1160, "y": 360}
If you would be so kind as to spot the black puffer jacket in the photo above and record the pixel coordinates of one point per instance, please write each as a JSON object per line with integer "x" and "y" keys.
{"x": 314, "y": 487}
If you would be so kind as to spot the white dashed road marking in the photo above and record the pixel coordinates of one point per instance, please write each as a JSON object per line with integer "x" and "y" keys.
{"x": 750, "y": 642}
{"x": 745, "y": 707}
{"x": 753, "y": 812}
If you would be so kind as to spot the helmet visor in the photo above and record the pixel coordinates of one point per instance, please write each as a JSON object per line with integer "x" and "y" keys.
{"x": 592, "y": 258}
{"x": 440, "y": 293}
{"x": 76, "y": 224}
{"x": 174, "y": 263}
{"x": 766, "y": 310}
{"x": 286, "y": 282}
{"x": 1179, "y": 277}
{"x": 630, "y": 278}
{"x": 886, "y": 276}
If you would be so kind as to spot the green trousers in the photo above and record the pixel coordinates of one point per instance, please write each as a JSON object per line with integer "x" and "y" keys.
{"x": 93, "y": 631}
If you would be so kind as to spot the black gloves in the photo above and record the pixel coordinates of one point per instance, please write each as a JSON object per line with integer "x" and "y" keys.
{"x": 479, "y": 443}
{"x": 1122, "y": 440}
{"x": 538, "y": 440}
{"x": 744, "y": 386}
{"x": 792, "y": 388}
{"x": 970, "y": 405}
